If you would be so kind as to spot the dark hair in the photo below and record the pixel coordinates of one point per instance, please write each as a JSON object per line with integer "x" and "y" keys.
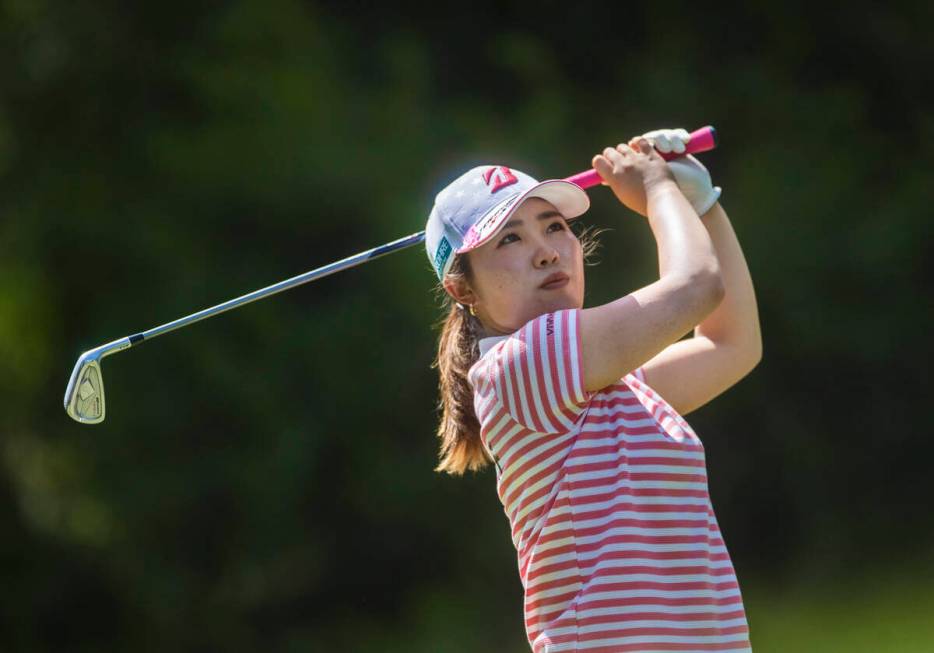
{"x": 458, "y": 350}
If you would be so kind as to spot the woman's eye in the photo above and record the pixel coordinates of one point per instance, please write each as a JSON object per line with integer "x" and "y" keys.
{"x": 513, "y": 237}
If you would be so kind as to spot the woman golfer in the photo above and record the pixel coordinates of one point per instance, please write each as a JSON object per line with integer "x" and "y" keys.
{"x": 602, "y": 480}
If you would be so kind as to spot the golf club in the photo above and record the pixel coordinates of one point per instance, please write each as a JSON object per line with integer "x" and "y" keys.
{"x": 84, "y": 396}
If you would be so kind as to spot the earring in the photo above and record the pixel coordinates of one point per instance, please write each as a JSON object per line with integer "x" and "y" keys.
{"x": 472, "y": 311}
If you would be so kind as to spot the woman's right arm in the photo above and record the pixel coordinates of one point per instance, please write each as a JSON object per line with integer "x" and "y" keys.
{"x": 618, "y": 337}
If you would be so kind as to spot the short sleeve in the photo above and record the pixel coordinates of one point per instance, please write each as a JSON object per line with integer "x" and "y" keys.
{"x": 639, "y": 373}
{"x": 536, "y": 373}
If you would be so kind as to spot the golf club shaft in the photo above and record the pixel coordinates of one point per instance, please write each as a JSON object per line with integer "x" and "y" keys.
{"x": 700, "y": 140}
{"x": 262, "y": 293}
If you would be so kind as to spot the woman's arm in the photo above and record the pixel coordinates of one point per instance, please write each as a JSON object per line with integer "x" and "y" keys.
{"x": 622, "y": 335}
{"x": 727, "y": 343}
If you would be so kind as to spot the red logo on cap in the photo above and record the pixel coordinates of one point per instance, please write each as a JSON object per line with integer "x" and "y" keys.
{"x": 497, "y": 177}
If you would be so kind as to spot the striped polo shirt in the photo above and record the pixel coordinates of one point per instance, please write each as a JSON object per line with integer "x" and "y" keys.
{"x": 606, "y": 495}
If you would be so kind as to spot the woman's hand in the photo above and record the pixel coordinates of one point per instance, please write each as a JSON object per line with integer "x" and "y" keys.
{"x": 632, "y": 172}
{"x": 692, "y": 177}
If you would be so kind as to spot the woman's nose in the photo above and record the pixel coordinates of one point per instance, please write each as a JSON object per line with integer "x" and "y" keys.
{"x": 546, "y": 256}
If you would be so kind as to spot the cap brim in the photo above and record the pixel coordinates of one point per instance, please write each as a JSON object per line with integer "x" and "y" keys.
{"x": 569, "y": 198}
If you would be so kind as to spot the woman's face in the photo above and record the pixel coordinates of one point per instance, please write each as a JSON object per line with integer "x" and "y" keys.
{"x": 534, "y": 265}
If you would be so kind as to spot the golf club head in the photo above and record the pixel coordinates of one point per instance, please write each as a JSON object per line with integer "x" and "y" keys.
{"x": 84, "y": 397}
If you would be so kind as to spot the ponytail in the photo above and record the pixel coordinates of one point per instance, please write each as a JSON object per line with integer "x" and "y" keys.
{"x": 458, "y": 350}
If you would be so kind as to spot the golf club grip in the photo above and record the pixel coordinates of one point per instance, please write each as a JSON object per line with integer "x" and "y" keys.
{"x": 700, "y": 140}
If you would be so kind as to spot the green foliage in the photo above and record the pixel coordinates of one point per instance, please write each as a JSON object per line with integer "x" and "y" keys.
{"x": 263, "y": 480}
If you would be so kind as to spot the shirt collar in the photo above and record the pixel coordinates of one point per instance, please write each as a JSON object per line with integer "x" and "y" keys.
{"x": 486, "y": 344}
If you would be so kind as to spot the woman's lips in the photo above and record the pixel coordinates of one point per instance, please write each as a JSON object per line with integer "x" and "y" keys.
{"x": 555, "y": 281}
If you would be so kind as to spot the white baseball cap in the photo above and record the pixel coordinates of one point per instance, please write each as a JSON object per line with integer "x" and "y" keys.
{"x": 475, "y": 206}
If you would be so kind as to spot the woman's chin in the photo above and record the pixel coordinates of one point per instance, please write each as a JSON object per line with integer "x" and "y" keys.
{"x": 561, "y": 301}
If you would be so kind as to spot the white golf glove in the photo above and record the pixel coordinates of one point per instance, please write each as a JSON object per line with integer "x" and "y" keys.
{"x": 690, "y": 174}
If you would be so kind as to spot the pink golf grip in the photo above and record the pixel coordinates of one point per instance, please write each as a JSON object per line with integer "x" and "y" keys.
{"x": 701, "y": 140}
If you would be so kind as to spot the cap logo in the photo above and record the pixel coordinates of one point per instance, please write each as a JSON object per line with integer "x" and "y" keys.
{"x": 482, "y": 229}
{"x": 497, "y": 177}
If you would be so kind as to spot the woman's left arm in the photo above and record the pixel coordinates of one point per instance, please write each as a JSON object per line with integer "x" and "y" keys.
{"x": 726, "y": 346}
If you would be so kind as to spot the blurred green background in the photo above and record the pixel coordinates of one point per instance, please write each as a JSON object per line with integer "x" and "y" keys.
{"x": 264, "y": 479}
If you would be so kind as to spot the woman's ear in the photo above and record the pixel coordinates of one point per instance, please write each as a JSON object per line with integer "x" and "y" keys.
{"x": 460, "y": 291}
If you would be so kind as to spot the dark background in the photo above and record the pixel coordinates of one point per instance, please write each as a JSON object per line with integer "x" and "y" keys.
{"x": 264, "y": 481}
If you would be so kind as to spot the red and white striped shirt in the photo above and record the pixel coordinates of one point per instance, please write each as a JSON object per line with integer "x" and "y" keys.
{"x": 606, "y": 495}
